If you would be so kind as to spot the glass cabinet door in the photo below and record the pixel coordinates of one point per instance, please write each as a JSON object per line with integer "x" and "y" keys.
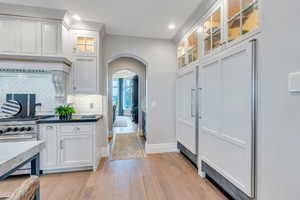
{"x": 242, "y": 17}
{"x": 181, "y": 55}
{"x": 192, "y": 48}
{"x": 85, "y": 45}
{"x": 212, "y": 32}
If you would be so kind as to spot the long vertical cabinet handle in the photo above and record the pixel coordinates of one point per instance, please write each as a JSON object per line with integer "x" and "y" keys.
{"x": 61, "y": 145}
{"x": 199, "y": 103}
{"x": 254, "y": 88}
{"x": 193, "y": 111}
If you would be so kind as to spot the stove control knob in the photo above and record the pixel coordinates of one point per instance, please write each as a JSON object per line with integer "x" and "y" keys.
{"x": 8, "y": 130}
{"x": 22, "y": 129}
{"x": 28, "y": 129}
{"x": 15, "y": 129}
{"x": 1, "y": 132}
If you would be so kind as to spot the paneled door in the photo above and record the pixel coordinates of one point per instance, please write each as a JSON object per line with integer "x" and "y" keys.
{"x": 227, "y": 106}
{"x": 85, "y": 75}
{"x": 76, "y": 150}
{"x": 186, "y": 109}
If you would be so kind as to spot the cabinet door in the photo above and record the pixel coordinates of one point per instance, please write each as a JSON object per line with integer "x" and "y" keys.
{"x": 30, "y": 37}
{"x": 49, "y": 155}
{"x": 186, "y": 110}
{"x": 50, "y": 39}
{"x": 85, "y": 75}
{"x": 76, "y": 150}
{"x": 9, "y": 36}
{"x": 85, "y": 44}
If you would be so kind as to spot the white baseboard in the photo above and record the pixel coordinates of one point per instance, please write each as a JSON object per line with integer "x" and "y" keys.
{"x": 104, "y": 151}
{"x": 161, "y": 148}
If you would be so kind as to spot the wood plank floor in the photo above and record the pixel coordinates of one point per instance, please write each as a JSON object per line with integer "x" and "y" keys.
{"x": 158, "y": 177}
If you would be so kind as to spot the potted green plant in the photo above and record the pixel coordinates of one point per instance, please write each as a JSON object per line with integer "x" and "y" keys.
{"x": 65, "y": 112}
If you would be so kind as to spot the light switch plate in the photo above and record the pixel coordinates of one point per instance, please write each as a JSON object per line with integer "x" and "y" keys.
{"x": 294, "y": 82}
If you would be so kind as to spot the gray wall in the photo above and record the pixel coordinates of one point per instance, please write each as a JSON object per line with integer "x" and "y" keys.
{"x": 278, "y": 137}
{"x": 160, "y": 57}
{"x": 134, "y": 66}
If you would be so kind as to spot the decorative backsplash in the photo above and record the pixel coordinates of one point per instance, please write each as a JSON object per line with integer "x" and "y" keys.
{"x": 40, "y": 84}
{"x": 86, "y": 104}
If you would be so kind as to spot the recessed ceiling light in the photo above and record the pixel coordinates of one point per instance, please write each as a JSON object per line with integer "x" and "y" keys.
{"x": 76, "y": 17}
{"x": 172, "y": 26}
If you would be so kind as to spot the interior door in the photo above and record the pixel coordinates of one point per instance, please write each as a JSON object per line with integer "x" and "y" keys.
{"x": 186, "y": 109}
{"x": 226, "y": 127}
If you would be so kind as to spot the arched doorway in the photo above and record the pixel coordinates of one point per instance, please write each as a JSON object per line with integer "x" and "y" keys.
{"x": 127, "y": 105}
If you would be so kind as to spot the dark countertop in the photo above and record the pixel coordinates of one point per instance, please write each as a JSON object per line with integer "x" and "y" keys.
{"x": 55, "y": 119}
{"x": 75, "y": 119}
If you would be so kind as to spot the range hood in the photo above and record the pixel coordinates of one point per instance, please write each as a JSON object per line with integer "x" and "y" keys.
{"x": 59, "y": 67}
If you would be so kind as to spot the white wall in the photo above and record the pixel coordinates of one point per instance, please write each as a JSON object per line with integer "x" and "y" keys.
{"x": 160, "y": 56}
{"x": 279, "y": 120}
{"x": 134, "y": 66}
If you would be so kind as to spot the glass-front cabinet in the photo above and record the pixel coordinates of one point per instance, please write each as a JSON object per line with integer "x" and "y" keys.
{"x": 193, "y": 47}
{"x": 181, "y": 54}
{"x": 227, "y": 21}
{"x": 242, "y": 17}
{"x": 85, "y": 44}
{"x": 212, "y": 31}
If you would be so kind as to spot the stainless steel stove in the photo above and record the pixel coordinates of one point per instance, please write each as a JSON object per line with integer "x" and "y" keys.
{"x": 19, "y": 131}
{"x": 13, "y": 131}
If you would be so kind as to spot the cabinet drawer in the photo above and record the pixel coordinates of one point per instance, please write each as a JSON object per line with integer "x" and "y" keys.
{"x": 76, "y": 128}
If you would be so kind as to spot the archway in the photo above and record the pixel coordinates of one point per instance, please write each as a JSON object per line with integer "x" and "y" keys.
{"x": 123, "y": 71}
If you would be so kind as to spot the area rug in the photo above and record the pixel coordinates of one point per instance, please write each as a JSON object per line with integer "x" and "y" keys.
{"x": 121, "y": 122}
{"x": 128, "y": 146}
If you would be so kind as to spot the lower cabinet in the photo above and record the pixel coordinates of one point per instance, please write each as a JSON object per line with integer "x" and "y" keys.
{"x": 76, "y": 150}
{"x": 67, "y": 149}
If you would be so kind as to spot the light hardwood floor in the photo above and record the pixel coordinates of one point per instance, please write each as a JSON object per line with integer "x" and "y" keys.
{"x": 158, "y": 177}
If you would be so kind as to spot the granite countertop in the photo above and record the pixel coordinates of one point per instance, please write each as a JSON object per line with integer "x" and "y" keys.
{"x": 12, "y": 154}
{"x": 75, "y": 118}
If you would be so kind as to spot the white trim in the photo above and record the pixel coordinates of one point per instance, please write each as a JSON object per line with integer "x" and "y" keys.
{"x": 160, "y": 148}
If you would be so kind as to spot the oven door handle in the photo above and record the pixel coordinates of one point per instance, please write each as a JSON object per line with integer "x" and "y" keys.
{"x": 17, "y": 138}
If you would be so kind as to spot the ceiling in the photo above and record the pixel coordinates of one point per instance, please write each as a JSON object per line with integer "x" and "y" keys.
{"x": 141, "y": 18}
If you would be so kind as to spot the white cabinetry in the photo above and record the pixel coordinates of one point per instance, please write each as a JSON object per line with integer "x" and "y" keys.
{"x": 85, "y": 75}
{"x": 186, "y": 92}
{"x": 50, "y": 39}
{"x": 30, "y": 37}
{"x": 9, "y": 36}
{"x": 49, "y": 157}
{"x": 68, "y": 146}
{"x": 71, "y": 154}
{"x": 86, "y": 62}
{"x": 26, "y": 36}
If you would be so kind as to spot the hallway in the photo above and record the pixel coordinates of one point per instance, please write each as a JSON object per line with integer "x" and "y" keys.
{"x": 128, "y": 143}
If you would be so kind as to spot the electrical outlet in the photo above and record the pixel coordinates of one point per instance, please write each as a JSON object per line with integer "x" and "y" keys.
{"x": 91, "y": 105}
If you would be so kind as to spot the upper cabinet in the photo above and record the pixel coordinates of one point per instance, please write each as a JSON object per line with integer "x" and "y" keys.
{"x": 181, "y": 55}
{"x": 86, "y": 60}
{"x": 85, "y": 44}
{"x": 27, "y": 36}
{"x": 193, "y": 47}
{"x": 225, "y": 22}
{"x": 212, "y": 31}
{"x": 242, "y": 17}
